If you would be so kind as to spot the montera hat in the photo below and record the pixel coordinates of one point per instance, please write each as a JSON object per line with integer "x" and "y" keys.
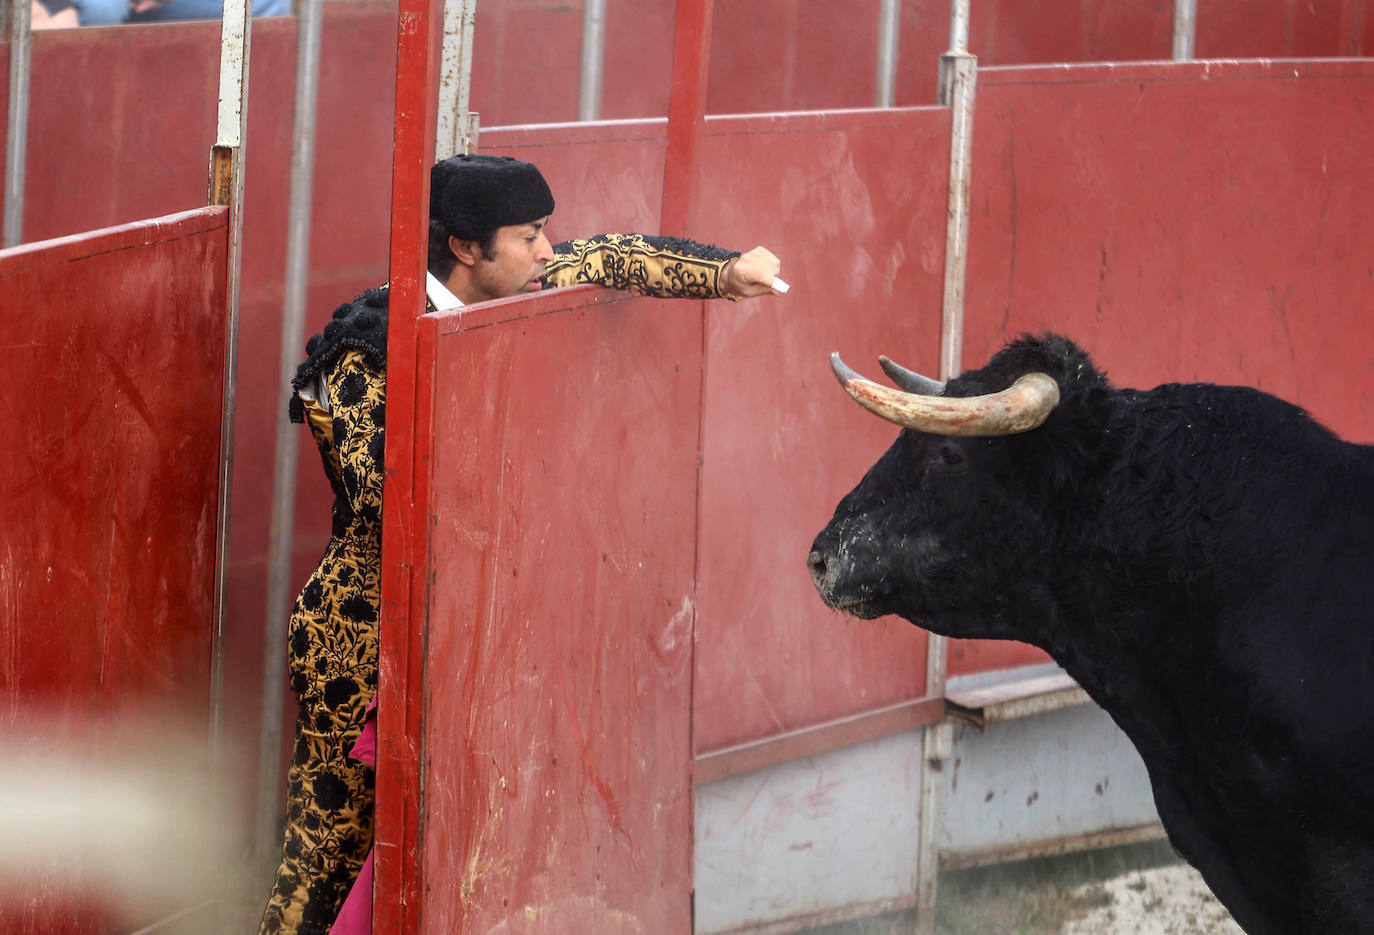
{"x": 474, "y": 194}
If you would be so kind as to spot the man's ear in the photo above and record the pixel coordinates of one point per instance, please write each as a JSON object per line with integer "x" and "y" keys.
{"x": 468, "y": 252}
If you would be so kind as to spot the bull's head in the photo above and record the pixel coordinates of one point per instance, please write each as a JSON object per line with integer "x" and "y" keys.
{"x": 948, "y": 528}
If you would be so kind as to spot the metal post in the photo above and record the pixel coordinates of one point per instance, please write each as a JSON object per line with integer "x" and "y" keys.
{"x": 958, "y": 81}
{"x": 456, "y": 125}
{"x": 17, "y": 124}
{"x": 965, "y": 73}
{"x": 268, "y": 839}
{"x": 1185, "y": 29}
{"x": 593, "y": 59}
{"x": 958, "y": 45}
{"x": 889, "y": 20}
{"x": 226, "y": 188}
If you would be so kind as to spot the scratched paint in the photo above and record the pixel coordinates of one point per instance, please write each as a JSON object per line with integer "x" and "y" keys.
{"x": 106, "y": 558}
{"x": 556, "y": 752}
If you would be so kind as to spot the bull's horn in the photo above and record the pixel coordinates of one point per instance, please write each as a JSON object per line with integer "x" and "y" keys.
{"x": 910, "y": 380}
{"x": 1024, "y": 405}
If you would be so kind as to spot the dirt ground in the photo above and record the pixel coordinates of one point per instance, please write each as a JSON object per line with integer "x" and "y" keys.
{"x": 1139, "y": 890}
{"x": 1158, "y": 901}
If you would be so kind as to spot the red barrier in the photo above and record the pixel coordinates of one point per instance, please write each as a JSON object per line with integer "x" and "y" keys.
{"x": 113, "y": 365}
{"x": 559, "y": 444}
{"x": 1220, "y": 233}
{"x": 1183, "y": 222}
{"x": 787, "y": 55}
{"x": 854, "y": 203}
{"x": 137, "y": 149}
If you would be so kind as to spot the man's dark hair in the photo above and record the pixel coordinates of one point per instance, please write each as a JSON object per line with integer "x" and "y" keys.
{"x": 441, "y": 259}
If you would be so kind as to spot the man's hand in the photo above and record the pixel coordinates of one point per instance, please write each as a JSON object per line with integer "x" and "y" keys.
{"x": 751, "y": 274}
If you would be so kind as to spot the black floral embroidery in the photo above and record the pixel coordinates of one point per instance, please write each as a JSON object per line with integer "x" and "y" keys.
{"x": 333, "y": 665}
{"x": 640, "y": 263}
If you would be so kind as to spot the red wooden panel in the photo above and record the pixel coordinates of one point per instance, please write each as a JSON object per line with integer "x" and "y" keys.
{"x": 637, "y": 65}
{"x": 854, "y": 204}
{"x": 1189, "y": 222}
{"x": 793, "y": 55}
{"x": 112, "y": 380}
{"x": 526, "y": 59}
{"x": 604, "y": 177}
{"x": 121, "y": 124}
{"x": 1287, "y": 29}
{"x": 557, "y": 751}
{"x": 405, "y": 565}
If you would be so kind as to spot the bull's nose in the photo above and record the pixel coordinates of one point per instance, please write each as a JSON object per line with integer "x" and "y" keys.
{"x": 815, "y": 562}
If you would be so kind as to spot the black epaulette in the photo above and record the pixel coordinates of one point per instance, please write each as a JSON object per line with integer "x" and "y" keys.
{"x": 358, "y": 324}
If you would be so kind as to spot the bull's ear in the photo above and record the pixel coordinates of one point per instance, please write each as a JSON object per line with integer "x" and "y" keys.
{"x": 1074, "y": 440}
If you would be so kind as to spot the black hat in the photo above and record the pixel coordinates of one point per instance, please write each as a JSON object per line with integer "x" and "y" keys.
{"x": 472, "y": 195}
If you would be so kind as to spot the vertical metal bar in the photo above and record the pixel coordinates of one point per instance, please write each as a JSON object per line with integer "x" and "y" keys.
{"x": 455, "y": 125}
{"x": 226, "y": 188}
{"x": 400, "y": 722}
{"x": 308, "y": 25}
{"x": 1185, "y": 29}
{"x": 959, "y": 74}
{"x": 593, "y": 59}
{"x": 958, "y": 45}
{"x": 686, "y": 113}
{"x": 889, "y": 20}
{"x": 17, "y": 123}
{"x": 956, "y": 246}
{"x": 958, "y": 26}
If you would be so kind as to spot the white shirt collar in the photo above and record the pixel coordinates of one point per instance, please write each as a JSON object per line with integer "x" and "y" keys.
{"x": 438, "y": 294}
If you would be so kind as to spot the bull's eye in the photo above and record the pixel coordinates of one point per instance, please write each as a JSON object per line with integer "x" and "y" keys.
{"x": 950, "y": 454}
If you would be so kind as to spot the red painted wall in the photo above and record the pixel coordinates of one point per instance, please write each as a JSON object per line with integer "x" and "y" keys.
{"x": 1233, "y": 247}
{"x": 1218, "y": 232}
{"x": 112, "y": 362}
{"x": 121, "y": 125}
{"x": 781, "y": 444}
{"x": 855, "y": 204}
{"x": 783, "y": 55}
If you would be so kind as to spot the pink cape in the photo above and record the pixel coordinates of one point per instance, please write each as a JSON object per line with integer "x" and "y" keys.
{"x": 355, "y": 915}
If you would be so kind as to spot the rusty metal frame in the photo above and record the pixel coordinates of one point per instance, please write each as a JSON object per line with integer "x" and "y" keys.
{"x": 817, "y": 739}
{"x": 1051, "y": 847}
{"x": 456, "y": 124}
{"x": 226, "y": 188}
{"x": 17, "y": 33}
{"x": 1007, "y": 702}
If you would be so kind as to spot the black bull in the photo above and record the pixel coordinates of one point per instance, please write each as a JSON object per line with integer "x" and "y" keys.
{"x": 1199, "y": 558}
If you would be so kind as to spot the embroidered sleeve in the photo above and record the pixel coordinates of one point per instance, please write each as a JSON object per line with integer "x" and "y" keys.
{"x": 357, "y": 393}
{"x": 666, "y": 267}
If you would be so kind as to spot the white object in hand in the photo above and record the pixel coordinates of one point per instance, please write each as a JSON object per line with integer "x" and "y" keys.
{"x": 779, "y": 286}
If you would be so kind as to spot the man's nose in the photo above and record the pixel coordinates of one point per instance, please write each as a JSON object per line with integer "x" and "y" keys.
{"x": 544, "y": 250}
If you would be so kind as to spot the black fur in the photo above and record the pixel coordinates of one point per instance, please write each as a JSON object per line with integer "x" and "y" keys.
{"x": 1199, "y": 558}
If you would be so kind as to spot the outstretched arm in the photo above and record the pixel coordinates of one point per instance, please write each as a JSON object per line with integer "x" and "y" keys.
{"x": 666, "y": 267}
